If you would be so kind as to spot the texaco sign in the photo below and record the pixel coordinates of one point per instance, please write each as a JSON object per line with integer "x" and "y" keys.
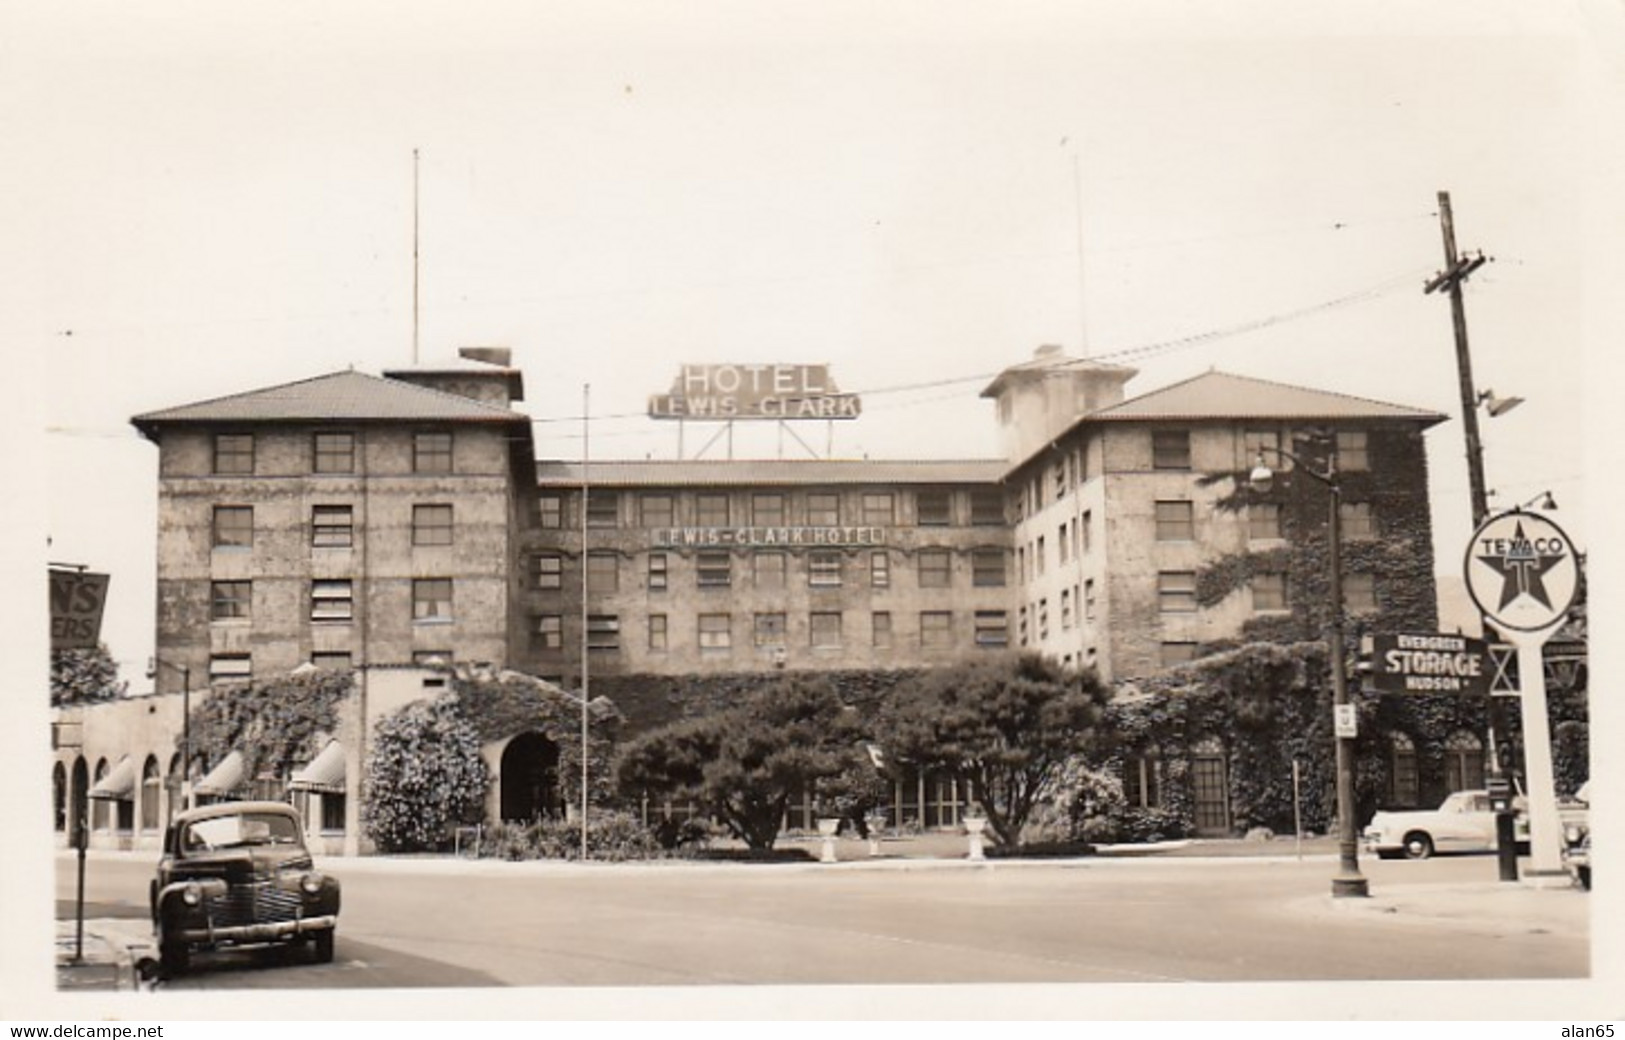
{"x": 1521, "y": 571}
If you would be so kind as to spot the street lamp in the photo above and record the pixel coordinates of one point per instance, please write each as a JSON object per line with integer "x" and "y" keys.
{"x": 1349, "y": 881}
{"x": 186, "y": 723}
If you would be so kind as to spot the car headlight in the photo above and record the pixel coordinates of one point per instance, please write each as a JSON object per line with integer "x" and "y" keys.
{"x": 311, "y": 883}
{"x": 1572, "y": 834}
{"x": 192, "y": 895}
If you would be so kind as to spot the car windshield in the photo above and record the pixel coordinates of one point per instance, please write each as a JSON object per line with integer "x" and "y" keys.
{"x": 246, "y": 829}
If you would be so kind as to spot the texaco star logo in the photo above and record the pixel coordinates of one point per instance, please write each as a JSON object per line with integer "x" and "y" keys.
{"x": 1521, "y": 571}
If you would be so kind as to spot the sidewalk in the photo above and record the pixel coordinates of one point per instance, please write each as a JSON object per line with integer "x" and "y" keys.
{"x": 116, "y": 955}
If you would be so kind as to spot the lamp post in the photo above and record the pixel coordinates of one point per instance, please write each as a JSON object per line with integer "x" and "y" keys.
{"x": 186, "y": 725}
{"x": 1348, "y": 881}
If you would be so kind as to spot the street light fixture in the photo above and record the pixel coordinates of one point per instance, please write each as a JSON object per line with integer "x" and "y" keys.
{"x": 1348, "y": 881}
{"x": 186, "y": 723}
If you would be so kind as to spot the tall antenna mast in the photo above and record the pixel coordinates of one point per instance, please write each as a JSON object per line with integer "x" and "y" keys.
{"x": 1083, "y": 308}
{"x": 414, "y": 256}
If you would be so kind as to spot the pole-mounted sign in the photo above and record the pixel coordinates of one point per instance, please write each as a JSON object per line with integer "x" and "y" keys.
{"x": 77, "y": 599}
{"x": 1523, "y": 573}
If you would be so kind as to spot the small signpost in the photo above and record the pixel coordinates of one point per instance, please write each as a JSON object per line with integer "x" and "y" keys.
{"x": 1523, "y": 574}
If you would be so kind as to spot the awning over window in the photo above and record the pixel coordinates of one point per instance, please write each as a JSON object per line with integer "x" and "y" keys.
{"x": 224, "y": 778}
{"x": 325, "y": 774}
{"x": 117, "y": 785}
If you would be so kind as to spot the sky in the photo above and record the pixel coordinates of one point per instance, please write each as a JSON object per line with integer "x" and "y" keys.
{"x": 208, "y": 198}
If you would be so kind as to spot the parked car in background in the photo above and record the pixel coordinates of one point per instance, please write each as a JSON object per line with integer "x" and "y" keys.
{"x": 1463, "y": 822}
{"x": 239, "y": 873}
{"x": 1576, "y": 816}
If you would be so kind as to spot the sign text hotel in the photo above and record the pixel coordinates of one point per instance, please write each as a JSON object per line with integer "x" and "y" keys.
{"x": 766, "y": 537}
{"x": 726, "y": 392}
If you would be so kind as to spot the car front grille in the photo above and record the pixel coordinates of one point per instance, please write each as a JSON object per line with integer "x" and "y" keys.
{"x": 258, "y": 902}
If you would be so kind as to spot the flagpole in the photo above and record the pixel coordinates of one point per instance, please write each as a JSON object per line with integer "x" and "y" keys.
{"x": 586, "y": 398}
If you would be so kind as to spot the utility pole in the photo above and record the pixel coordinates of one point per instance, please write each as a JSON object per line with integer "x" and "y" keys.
{"x": 1456, "y": 271}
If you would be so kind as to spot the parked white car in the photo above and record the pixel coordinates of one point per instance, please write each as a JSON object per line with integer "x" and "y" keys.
{"x": 1464, "y": 822}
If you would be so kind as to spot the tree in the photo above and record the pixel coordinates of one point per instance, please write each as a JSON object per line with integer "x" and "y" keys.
{"x": 84, "y": 677}
{"x": 744, "y": 764}
{"x": 424, "y": 776}
{"x": 1007, "y": 724}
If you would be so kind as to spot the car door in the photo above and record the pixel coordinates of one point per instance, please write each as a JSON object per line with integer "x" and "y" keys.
{"x": 1470, "y": 826}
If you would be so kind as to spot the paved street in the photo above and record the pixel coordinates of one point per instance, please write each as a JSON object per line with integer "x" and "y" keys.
{"x": 418, "y": 923}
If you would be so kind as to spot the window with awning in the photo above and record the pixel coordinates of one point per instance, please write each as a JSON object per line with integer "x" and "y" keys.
{"x": 118, "y": 784}
{"x": 224, "y": 779}
{"x": 324, "y": 774}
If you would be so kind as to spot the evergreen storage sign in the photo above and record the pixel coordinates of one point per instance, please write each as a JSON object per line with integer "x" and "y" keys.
{"x": 1429, "y": 663}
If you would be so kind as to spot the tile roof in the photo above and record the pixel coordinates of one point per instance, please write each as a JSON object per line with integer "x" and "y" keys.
{"x": 1221, "y": 395}
{"x": 767, "y": 472}
{"x": 347, "y": 396}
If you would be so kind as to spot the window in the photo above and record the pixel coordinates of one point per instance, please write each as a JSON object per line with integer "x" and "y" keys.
{"x": 1170, "y": 449}
{"x": 1086, "y": 525}
{"x": 550, "y": 631}
{"x": 714, "y": 569}
{"x": 233, "y": 453}
{"x": 550, "y": 511}
{"x": 1176, "y": 592}
{"x": 1039, "y": 556}
{"x": 1352, "y": 453}
{"x": 880, "y": 629}
{"x": 879, "y": 570}
{"x": 1043, "y": 620}
{"x": 657, "y": 511}
{"x": 334, "y": 453}
{"x": 333, "y": 812}
{"x": 1359, "y": 593}
{"x": 988, "y": 567}
{"x": 1265, "y": 445}
{"x": 879, "y": 509}
{"x": 823, "y": 509}
{"x": 934, "y": 568}
{"x": 603, "y": 509}
{"x": 1089, "y": 599}
{"x": 1060, "y": 481}
{"x": 431, "y": 525}
{"x": 230, "y": 668}
{"x": 824, "y": 569}
{"x": 987, "y": 507}
{"x": 1177, "y": 653}
{"x": 1061, "y": 542}
{"x": 770, "y": 569}
{"x": 1021, "y": 625}
{"x": 230, "y": 600}
{"x": 431, "y": 453}
{"x": 1142, "y": 780}
{"x": 1463, "y": 762}
{"x": 331, "y": 527}
{"x": 1066, "y": 609}
{"x": 932, "y": 508}
{"x": 1355, "y": 522}
{"x": 716, "y": 633}
{"x": 769, "y": 630}
{"x": 657, "y": 633}
{"x": 233, "y": 527}
{"x": 936, "y": 631}
{"x": 711, "y": 510}
{"x": 1021, "y": 562}
{"x": 1269, "y": 591}
{"x": 331, "y": 601}
{"x": 1176, "y": 522}
{"x": 1263, "y": 521}
{"x": 826, "y": 630}
{"x": 331, "y": 660}
{"x": 549, "y": 570}
{"x": 603, "y": 572}
{"x": 603, "y": 632}
{"x": 992, "y": 629}
{"x": 767, "y": 510}
{"x": 1406, "y": 788}
{"x": 657, "y": 572}
{"x": 431, "y": 599}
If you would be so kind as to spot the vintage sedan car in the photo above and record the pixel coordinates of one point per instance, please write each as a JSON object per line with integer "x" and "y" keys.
{"x": 1575, "y": 814}
{"x": 1464, "y": 822}
{"x": 238, "y": 873}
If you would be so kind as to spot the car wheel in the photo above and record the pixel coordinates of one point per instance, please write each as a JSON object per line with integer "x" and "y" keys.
{"x": 1418, "y": 845}
{"x": 323, "y": 941}
{"x": 174, "y": 957}
{"x": 1585, "y": 878}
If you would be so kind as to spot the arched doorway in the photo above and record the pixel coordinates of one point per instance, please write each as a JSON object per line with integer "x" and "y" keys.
{"x": 530, "y": 784}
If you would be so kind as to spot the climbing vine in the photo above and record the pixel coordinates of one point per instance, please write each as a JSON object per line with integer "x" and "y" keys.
{"x": 277, "y": 725}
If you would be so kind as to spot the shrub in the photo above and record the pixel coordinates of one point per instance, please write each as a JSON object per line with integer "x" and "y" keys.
{"x": 424, "y": 777}
{"x": 612, "y": 837}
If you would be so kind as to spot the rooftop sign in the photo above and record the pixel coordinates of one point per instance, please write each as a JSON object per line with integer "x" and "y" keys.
{"x": 723, "y": 393}
{"x": 77, "y": 599}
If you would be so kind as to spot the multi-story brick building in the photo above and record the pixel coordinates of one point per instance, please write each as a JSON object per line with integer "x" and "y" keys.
{"x": 353, "y": 521}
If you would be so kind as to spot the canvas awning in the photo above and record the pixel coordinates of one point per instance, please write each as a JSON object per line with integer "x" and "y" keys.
{"x": 224, "y": 778}
{"x": 324, "y": 774}
{"x": 117, "y": 784}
